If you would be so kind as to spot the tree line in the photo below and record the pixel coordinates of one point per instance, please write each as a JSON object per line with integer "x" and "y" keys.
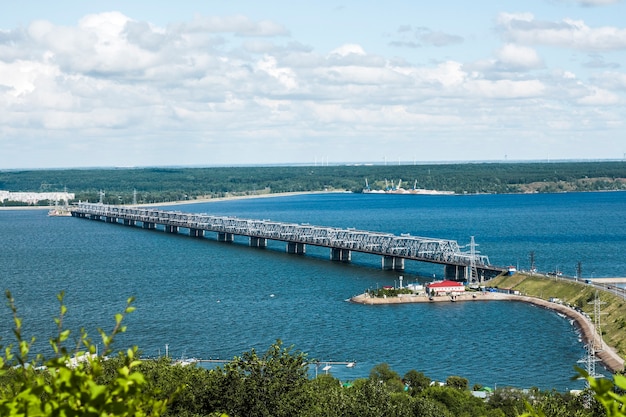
{"x": 151, "y": 185}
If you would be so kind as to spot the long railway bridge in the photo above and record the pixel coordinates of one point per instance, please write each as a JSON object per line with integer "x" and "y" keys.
{"x": 393, "y": 249}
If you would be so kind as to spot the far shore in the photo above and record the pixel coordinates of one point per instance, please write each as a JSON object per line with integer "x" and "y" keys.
{"x": 607, "y": 355}
{"x": 194, "y": 201}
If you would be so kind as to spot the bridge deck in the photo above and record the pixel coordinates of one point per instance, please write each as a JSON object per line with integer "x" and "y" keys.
{"x": 423, "y": 249}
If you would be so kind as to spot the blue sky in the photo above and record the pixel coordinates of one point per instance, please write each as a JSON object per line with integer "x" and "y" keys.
{"x": 157, "y": 83}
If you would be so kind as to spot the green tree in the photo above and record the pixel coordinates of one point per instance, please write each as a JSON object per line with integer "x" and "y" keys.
{"x": 67, "y": 384}
{"x": 382, "y": 373}
{"x": 457, "y": 382}
{"x": 267, "y": 385}
{"x": 416, "y": 381}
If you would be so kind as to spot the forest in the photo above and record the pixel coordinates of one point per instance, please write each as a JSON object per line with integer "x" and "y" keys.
{"x": 163, "y": 184}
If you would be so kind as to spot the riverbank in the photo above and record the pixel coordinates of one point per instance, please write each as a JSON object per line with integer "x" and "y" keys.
{"x": 195, "y": 201}
{"x": 609, "y": 357}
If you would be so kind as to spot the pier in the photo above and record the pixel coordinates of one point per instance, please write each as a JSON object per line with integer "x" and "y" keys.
{"x": 392, "y": 249}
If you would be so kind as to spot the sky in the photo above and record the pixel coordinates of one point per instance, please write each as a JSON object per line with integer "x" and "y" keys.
{"x": 214, "y": 82}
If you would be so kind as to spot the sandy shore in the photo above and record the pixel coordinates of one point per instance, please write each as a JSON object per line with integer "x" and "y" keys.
{"x": 237, "y": 197}
{"x": 195, "y": 201}
{"x": 607, "y": 355}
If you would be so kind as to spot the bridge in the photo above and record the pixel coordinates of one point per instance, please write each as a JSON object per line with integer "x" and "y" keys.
{"x": 393, "y": 249}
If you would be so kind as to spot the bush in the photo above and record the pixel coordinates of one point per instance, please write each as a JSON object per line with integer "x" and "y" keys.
{"x": 70, "y": 384}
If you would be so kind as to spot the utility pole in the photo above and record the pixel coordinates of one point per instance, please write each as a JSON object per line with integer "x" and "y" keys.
{"x": 579, "y": 270}
{"x": 593, "y": 346}
{"x": 531, "y": 255}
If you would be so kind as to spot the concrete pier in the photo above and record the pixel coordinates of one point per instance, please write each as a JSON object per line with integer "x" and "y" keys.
{"x": 171, "y": 229}
{"x": 196, "y": 232}
{"x": 258, "y": 242}
{"x": 340, "y": 255}
{"x": 455, "y": 272}
{"x": 225, "y": 237}
{"x": 296, "y": 248}
{"x": 392, "y": 263}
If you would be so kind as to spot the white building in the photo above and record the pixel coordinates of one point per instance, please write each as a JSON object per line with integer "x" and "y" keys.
{"x": 34, "y": 198}
{"x": 445, "y": 288}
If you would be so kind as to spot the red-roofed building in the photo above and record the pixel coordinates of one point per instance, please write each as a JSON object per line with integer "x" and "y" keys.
{"x": 445, "y": 288}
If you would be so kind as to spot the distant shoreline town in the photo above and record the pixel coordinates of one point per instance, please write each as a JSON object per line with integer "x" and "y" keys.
{"x": 35, "y": 198}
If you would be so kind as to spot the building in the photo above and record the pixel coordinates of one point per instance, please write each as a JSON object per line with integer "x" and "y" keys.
{"x": 445, "y": 288}
{"x": 34, "y": 198}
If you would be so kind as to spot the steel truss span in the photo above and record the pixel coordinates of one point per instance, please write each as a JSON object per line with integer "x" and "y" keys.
{"x": 405, "y": 246}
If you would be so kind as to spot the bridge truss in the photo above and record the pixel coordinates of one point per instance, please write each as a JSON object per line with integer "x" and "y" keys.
{"x": 441, "y": 251}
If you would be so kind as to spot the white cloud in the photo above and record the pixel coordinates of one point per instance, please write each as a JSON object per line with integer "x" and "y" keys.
{"x": 519, "y": 57}
{"x": 524, "y": 29}
{"x": 599, "y": 97}
{"x": 118, "y": 80}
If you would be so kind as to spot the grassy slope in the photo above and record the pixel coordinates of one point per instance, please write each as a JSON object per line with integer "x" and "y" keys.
{"x": 613, "y": 308}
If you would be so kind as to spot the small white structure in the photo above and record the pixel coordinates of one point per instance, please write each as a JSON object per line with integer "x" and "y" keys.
{"x": 445, "y": 288}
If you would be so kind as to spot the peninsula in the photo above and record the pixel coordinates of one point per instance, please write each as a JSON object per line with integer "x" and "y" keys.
{"x": 568, "y": 297}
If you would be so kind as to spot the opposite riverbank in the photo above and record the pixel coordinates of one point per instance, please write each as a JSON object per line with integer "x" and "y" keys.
{"x": 194, "y": 201}
{"x": 609, "y": 356}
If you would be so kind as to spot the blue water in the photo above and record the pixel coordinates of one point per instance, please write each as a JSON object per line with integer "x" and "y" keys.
{"x": 208, "y": 299}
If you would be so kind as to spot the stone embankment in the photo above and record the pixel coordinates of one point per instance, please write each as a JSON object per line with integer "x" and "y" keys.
{"x": 606, "y": 354}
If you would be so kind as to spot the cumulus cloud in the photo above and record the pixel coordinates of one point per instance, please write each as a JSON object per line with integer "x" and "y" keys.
{"x": 408, "y": 36}
{"x": 516, "y": 57}
{"x": 210, "y": 80}
{"x": 524, "y": 29}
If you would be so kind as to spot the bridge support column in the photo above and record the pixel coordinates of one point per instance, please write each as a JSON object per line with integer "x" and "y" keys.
{"x": 296, "y": 248}
{"x": 258, "y": 242}
{"x": 340, "y": 255}
{"x": 196, "y": 232}
{"x": 128, "y": 222}
{"x": 225, "y": 237}
{"x": 455, "y": 272}
{"x": 110, "y": 219}
{"x": 94, "y": 216}
{"x": 171, "y": 229}
{"x": 148, "y": 225}
{"x": 393, "y": 263}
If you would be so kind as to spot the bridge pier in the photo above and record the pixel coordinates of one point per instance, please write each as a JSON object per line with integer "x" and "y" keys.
{"x": 225, "y": 237}
{"x": 148, "y": 225}
{"x": 340, "y": 255}
{"x": 392, "y": 263}
{"x": 128, "y": 222}
{"x": 110, "y": 219}
{"x": 171, "y": 229}
{"x": 94, "y": 217}
{"x": 196, "y": 232}
{"x": 296, "y": 248}
{"x": 258, "y": 242}
{"x": 455, "y": 272}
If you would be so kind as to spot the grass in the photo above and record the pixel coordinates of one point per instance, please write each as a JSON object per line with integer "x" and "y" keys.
{"x": 575, "y": 293}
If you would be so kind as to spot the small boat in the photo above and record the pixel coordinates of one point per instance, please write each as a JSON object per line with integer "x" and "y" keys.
{"x": 59, "y": 212}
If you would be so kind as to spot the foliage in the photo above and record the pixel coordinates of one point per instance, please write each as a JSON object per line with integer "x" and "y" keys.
{"x": 172, "y": 184}
{"x": 388, "y": 292}
{"x": 457, "y": 382}
{"x": 66, "y": 385}
{"x": 416, "y": 381}
{"x": 254, "y": 385}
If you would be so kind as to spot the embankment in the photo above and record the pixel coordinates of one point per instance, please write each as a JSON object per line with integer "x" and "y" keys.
{"x": 609, "y": 357}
